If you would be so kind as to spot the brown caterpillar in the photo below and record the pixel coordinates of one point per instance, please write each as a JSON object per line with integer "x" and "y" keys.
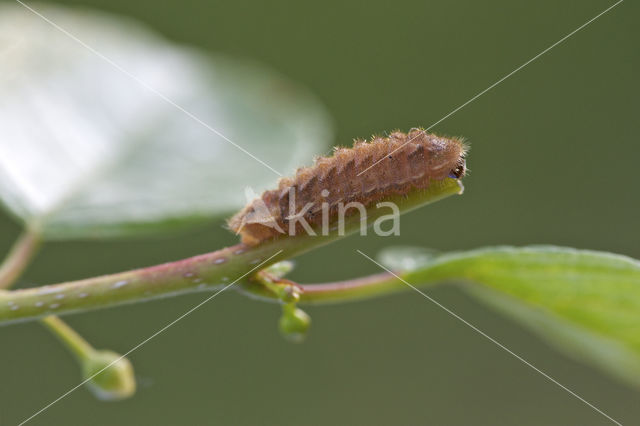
{"x": 367, "y": 173}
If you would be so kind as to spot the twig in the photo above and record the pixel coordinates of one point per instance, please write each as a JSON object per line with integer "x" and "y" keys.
{"x": 19, "y": 257}
{"x": 201, "y": 273}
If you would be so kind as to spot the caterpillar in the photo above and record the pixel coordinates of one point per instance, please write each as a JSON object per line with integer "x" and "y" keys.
{"x": 367, "y": 173}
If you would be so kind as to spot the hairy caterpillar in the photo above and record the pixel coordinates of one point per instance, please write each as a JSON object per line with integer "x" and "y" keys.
{"x": 367, "y": 173}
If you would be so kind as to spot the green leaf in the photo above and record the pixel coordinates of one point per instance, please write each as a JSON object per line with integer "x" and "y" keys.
{"x": 89, "y": 150}
{"x": 586, "y": 303}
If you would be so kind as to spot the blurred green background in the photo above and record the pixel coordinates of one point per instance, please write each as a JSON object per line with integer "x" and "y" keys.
{"x": 553, "y": 160}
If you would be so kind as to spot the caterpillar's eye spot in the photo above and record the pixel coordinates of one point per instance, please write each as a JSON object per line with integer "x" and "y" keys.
{"x": 390, "y": 157}
{"x": 458, "y": 172}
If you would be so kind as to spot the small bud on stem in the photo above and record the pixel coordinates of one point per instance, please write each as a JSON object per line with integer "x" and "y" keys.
{"x": 294, "y": 323}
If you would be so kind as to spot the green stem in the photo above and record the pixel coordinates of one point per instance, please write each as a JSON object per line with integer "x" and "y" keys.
{"x": 19, "y": 257}
{"x": 200, "y": 273}
{"x": 74, "y": 341}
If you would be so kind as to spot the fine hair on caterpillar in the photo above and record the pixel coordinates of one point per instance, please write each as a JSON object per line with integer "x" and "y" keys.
{"x": 318, "y": 199}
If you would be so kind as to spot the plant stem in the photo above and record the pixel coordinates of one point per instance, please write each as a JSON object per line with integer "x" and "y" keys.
{"x": 74, "y": 341}
{"x": 19, "y": 257}
{"x": 338, "y": 291}
{"x": 204, "y": 272}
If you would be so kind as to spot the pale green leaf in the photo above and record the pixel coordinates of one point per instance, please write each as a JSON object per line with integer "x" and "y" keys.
{"x": 587, "y": 303}
{"x": 87, "y": 149}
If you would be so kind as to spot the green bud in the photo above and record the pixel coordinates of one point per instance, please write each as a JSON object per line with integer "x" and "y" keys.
{"x": 289, "y": 294}
{"x": 114, "y": 382}
{"x": 294, "y": 323}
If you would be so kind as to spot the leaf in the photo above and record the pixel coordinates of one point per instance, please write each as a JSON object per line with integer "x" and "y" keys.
{"x": 586, "y": 303}
{"x": 89, "y": 150}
